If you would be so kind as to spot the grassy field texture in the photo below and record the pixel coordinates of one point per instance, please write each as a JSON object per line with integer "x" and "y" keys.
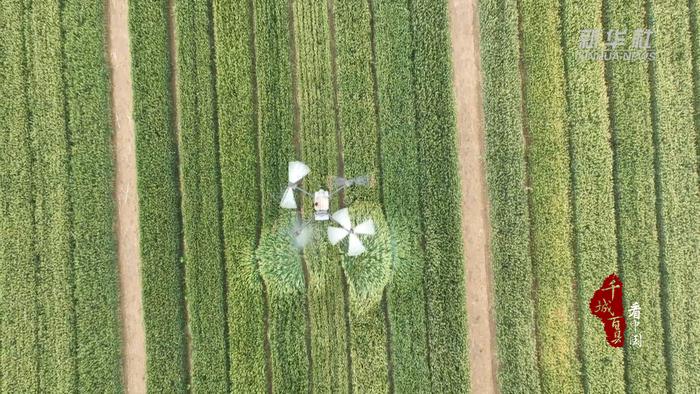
{"x": 199, "y": 172}
{"x": 319, "y": 151}
{"x": 281, "y": 267}
{"x": 444, "y": 261}
{"x": 509, "y": 211}
{"x": 95, "y": 289}
{"x": 50, "y": 177}
{"x": 637, "y": 238}
{"x": 694, "y": 9}
{"x": 678, "y": 201}
{"x": 548, "y": 164}
{"x": 205, "y": 305}
{"x": 367, "y": 276}
{"x": 18, "y": 320}
{"x": 400, "y": 194}
{"x": 58, "y": 251}
{"x": 287, "y": 332}
{"x": 592, "y": 197}
{"x": 240, "y": 194}
{"x": 357, "y": 123}
{"x": 159, "y": 198}
{"x": 275, "y": 115}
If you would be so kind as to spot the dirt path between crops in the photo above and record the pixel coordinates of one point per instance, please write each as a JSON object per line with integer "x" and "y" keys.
{"x": 464, "y": 29}
{"x": 127, "y": 223}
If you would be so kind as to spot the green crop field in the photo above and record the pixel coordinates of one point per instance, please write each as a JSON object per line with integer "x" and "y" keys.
{"x": 245, "y": 88}
{"x": 59, "y": 305}
{"x": 303, "y": 80}
{"x": 159, "y": 199}
{"x": 591, "y": 167}
{"x": 638, "y": 242}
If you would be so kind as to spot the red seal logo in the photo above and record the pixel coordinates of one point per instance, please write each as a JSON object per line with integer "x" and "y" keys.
{"x": 606, "y": 305}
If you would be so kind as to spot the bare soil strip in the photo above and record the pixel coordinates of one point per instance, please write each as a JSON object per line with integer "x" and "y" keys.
{"x": 127, "y": 221}
{"x": 464, "y": 28}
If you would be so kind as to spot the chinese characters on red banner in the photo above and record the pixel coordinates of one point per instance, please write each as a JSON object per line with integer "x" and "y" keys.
{"x": 606, "y": 305}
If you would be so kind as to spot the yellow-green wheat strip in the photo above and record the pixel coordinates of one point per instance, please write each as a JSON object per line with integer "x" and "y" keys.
{"x": 240, "y": 192}
{"x": 17, "y": 273}
{"x": 509, "y": 211}
{"x": 358, "y": 131}
{"x": 637, "y": 239}
{"x": 319, "y": 151}
{"x": 401, "y": 199}
{"x": 678, "y": 201}
{"x": 98, "y": 348}
{"x": 593, "y": 204}
{"x": 50, "y": 176}
{"x": 199, "y": 172}
{"x": 440, "y": 197}
{"x": 290, "y": 362}
{"x": 159, "y": 197}
{"x": 548, "y": 164}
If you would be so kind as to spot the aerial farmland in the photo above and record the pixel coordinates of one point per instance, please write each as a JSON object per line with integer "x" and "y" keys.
{"x": 349, "y": 196}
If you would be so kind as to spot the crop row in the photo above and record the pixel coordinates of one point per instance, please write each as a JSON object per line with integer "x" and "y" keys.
{"x": 58, "y": 249}
{"x": 319, "y": 150}
{"x": 358, "y": 132}
{"x": 400, "y": 194}
{"x": 592, "y": 196}
{"x": 199, "y": 178}
{"x": 161, "y": 149}
{"x": 18, "y": 317}
{"x": 678, "y": 201}
{"x": 637, "y": 240}
{"x": 548, "y": 165}
{"x": 159, "y": 197}
{"x": 50, "y": 190}
{"x": 240, "y": 194}
{"x": 694, "y": 9}
{"x": 287, "y": 323}
{"x": 89, "y": 124}
{"x": 440, "y": 195}
{"x": 625, "y": 187}
{"x": 509, "y": 210}
{"x": 181, "y": 190}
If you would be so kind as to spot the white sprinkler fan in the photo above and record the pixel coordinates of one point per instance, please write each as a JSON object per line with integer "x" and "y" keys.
{"x": 335, "y": 235}
{"x": 302, "y": 234}
{"x": 297, "y": 172}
